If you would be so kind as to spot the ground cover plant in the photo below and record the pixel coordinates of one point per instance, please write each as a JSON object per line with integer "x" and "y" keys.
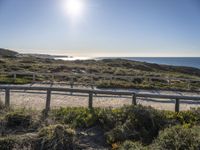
{"x": 107, "y": 67}
{"x": 128, "y": 127}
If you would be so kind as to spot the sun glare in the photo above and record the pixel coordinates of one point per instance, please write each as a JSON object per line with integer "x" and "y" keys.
{"x": 74, "y": 8}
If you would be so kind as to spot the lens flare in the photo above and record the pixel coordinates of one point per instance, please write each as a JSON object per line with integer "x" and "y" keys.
{"x": 74, "y": 8}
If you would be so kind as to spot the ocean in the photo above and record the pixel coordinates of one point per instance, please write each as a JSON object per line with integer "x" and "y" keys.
{"x": 175, "y": 61}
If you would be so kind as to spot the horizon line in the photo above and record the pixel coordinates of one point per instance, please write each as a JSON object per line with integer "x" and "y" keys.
{"x": 105, "y": 55}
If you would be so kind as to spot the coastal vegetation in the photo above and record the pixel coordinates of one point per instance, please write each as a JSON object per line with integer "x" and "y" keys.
{"x": 107, "y": 67}
{"x": 129, "y": 127}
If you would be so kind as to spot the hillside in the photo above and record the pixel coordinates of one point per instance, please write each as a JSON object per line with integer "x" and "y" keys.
{"x": 7, "y": 53}
{"x": 107, "y": 67}
{"x": 151, "y": 67}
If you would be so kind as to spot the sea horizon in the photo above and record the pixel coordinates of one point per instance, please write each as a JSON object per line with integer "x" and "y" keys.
{"x": 174, "y": 61}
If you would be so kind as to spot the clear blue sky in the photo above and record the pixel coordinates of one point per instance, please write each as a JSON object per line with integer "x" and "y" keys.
{"x": 103, "y": 28}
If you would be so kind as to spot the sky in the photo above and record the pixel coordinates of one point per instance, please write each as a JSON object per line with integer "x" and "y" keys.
{"x": 99, "y": 28}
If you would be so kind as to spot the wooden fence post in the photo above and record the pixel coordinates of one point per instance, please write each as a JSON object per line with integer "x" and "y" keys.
{"x": 33, "y": 77}
{"x": 90, "y": 103}
{"x": 177, "y": 105}
{"x": 92, "y": 83}
{"x": 188, "y": 84}
{"x": 48, "y": 100}
{"x": 14, "y": 76}
{"x": 169, "y": 81}
{"x": 110, "y": 80}
{"x": 72, "y": 84}
{"x": 7, "y": 97}
{"x": 150, "y": 81}
{"x": 52, "y": 77}
{"x": 134, "y": 102}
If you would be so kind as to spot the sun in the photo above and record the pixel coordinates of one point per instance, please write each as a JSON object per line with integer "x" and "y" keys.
{"x": 74, "y": 8}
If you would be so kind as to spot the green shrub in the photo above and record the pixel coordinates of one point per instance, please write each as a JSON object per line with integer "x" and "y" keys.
{"x": 18, "y": 119}
{"x": 7, "y": 143}
{"x": 22, "y": 142}
{"x": 109, "y": 118}
{"x": 129, "y": 123}
{"x": 190, "y": 117}
{"x": 129, "y": 145}
{"x": 141, "y": 124}
{"x": 10, "y": 80}
{"x": 120, "y": 124}
{"x": 2, "y": 106}
{"x": 178, "y": 138}
{"x": 55, "y": 137}
{"x": 77, "y": 117}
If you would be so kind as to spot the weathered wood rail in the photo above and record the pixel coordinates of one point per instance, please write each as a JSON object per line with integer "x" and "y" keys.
{"x": 34, "y": 74}
{"x": 91, "y": 92}
{"x": 72, "y": 83}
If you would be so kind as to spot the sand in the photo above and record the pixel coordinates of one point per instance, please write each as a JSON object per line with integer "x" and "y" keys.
{"x": 36, "y": 100}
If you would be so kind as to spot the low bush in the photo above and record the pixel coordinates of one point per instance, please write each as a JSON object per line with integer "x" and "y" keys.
{"x": 2, "y": 106}
{"x": 115, "y": 84}
{"x": 188, "y": 118}
{"x": 140, "y": 124}
{"x": 178, "y": 138}
{"x": 10, "y": 80}
{"x": 77, "y": 117}
{"x": 127, "y": 125}
{"x": 18, "y": 119}
{"x": 136, "y": 123}
{"x": 55, "y": 137}
{"x": 7, "y": 143}
{"x": 109, "y": 118}
{"x": 129, "y": 145}
{"x": 191, "y": 117}
{"x": 120, "y": 124}
{"x": 22, "y": 142}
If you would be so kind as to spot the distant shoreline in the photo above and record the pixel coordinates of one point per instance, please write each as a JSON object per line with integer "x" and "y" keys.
{"x": 171, "y": 61}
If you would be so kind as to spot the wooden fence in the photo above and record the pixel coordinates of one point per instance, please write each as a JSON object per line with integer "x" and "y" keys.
{"x": 90, "y": 92}
{"x": 92, "y": 76}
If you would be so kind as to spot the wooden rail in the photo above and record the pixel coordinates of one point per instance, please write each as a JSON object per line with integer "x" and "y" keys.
{"x": 34, "y": 74}
{"x": 91, "y": 93}
{"x": 104, "y": 76}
